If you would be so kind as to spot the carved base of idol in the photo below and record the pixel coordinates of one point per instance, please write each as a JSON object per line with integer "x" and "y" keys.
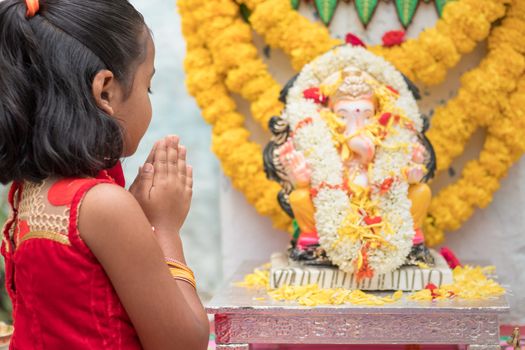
{"x": 285, "y": 271}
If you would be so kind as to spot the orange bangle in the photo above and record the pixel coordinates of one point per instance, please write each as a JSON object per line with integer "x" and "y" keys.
{"x": 177, "y": 272}
{"x": 190, "y": 282}
{"x": 183, "y": 276}
{"x": 181, "y": 271}
{"x": 178, "y": 265}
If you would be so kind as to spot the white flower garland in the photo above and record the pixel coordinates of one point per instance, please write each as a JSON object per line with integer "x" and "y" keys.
{"x": 313, "y": 139}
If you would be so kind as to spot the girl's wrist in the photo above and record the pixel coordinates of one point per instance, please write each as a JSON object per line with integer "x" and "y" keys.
{"x": 171, "y": 244}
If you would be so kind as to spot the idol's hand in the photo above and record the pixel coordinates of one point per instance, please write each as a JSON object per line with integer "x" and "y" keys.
{"x": 299, "y": 169}
{"x": 415, "y": 173}
{"x": 418, "y": 153}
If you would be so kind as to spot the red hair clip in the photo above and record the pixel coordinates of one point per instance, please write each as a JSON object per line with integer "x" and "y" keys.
{"x": 32, "y": 7}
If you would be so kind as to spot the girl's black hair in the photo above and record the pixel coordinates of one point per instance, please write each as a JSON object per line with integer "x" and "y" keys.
{"x": 50, "y": 124}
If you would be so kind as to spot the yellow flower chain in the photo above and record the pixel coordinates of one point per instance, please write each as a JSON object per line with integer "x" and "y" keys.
{"x": 229, "y": 40}
{"x": 240, "y": 158}
{"x": 464, "y": 23}
{"x": 222, "y": 57}
{"x": 284, "y": 28}
{"x": 492, "y": 96}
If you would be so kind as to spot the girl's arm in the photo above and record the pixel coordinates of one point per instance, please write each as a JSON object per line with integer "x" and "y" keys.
{"x": 166, "y": 313}
{"x": 167, "y": 212}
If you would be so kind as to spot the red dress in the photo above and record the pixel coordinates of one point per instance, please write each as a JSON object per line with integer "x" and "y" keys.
{"x": 62, "y": 297}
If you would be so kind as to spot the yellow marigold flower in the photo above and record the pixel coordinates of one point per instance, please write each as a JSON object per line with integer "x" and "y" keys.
{"x": 440, "y": 47}
{"x": 238, "y": 77}
{"x": 238, "y": 31}
{"x": 227, "y": 121}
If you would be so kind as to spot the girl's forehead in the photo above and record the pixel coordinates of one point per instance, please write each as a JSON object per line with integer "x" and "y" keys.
{"x": 148, "y": 63}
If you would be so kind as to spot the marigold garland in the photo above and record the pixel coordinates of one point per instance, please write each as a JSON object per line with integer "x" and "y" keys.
{"x": 492, "y": 96}
{"x": 464, "y": 23}
{"x": 230, "y": 140}
{"x": 222, "y": 57}
{"x": 229, "y": 40}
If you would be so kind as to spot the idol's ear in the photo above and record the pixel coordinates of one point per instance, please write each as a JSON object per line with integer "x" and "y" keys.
{"x": 412, "y": 87}
{"x": 104, "y": 89}
{"x": 431, "y": 162}
{"x": 284, "y": 92}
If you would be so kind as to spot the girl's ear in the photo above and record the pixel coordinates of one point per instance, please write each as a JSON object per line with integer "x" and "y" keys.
{"x": 104, "y": 90}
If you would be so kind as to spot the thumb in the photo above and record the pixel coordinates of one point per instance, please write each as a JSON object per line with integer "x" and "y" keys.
{"x": 144, "y": 180}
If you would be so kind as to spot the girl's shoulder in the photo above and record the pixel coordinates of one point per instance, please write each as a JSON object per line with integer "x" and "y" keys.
{"x": 97, "y": 207}
{"x": 105, "y": 208}
{"x": 68, "y": 191}
{"x": 62, "y": 191}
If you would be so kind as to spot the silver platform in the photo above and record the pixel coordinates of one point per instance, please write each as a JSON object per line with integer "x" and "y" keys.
{"x": 248, "y": 316}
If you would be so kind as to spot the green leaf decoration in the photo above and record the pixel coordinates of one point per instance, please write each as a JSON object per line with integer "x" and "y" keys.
{"x": 365, "y": 10}
{"x": 295, "y": 3}
{"x": 296, "y": 229}
{"x": 406, "y": 10}
{"x": 440, "y": 4}
{"x": 427, "y": 1}
{"x": 245, "y": 12}
{"x": 326, "y": 9}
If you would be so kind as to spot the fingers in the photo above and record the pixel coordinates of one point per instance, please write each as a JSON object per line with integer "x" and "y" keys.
{"x": 149, "y": 160}
{"x": 173, "y": 154}
{"x": 189, "y": 177}
{"x": 161, "y": 162}
{"x": 143, "y": 182}
{"x": 151, "y": 155}
{"x": 182, "y": 161}
{"x": 169, "y": 160}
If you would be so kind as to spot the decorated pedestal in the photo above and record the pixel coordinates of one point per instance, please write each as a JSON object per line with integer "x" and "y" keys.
{"x": 248, "y": 316}
{"x": 407, "y": 278}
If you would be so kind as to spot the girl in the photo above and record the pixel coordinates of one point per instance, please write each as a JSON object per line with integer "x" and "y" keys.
{"x": 90, "y": 265}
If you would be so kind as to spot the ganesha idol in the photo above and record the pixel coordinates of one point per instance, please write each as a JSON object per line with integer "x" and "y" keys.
{"x": 351, "y": 156}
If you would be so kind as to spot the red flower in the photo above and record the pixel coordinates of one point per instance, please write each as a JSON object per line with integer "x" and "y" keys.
{"x": 432, "y": 288}
{"x": 303, "y": 123}
{"x": 316, "y": 95}
{"x": 385, "y": 186}
{"x": 385, "y": 118}
{"x": 354, "y": 40}
{"x": 450, "y": 257}
{"x": 393, "y": 38}
{"x": 392, "y": 89}
{"x": 373, "y": 220}
{"x": 365, "y": 271}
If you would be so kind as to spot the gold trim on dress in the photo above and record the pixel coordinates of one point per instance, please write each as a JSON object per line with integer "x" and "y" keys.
{"x": 53, "y": 236}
